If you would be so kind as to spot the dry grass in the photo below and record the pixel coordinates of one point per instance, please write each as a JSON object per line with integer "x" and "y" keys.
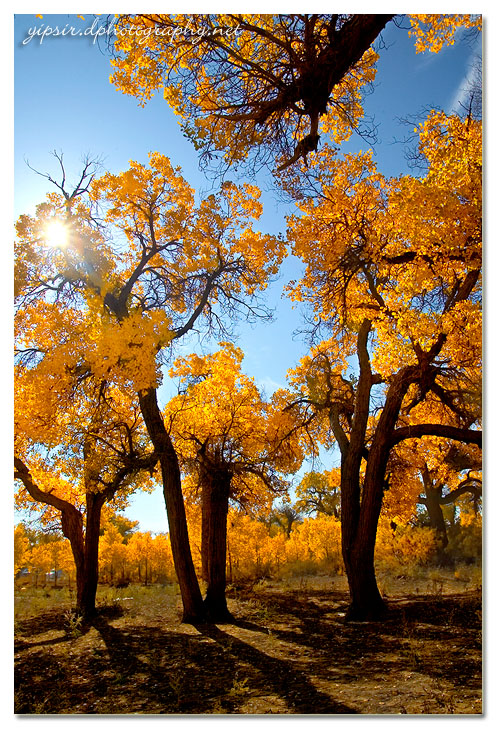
{"x": 289, "y": 652}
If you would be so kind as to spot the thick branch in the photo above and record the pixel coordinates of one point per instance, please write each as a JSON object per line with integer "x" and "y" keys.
{"x": 337, "y": 430}
{"x": 22, "y": 473}
{"x": 469, "y": 486}
{"x": 465, "y": 435}
{"x": 71, "y": 518}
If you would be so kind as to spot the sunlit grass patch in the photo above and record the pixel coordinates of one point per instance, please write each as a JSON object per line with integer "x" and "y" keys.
{"x": 30, "y": 601}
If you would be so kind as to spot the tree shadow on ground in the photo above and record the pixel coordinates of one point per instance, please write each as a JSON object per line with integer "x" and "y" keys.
{"x": 301, "y": 658}
{"x": 443, "y": 626}
{"x": 195, "y": 674}
{"x": 52, "y": 620}
{"x": 280, "y": 675}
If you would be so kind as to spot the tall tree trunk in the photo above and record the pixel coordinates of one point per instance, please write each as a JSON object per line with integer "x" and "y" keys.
{"x": 205, "y": 512}
{"x": 193, "y": 609}
{"x": 86, "y": 599}
{"x": 215, "y": 503}
{"x": 358, "y": 550}
{"x": 360, "y": 508}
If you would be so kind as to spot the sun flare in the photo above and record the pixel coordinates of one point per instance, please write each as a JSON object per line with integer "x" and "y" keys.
{"x": 56, "y": 234}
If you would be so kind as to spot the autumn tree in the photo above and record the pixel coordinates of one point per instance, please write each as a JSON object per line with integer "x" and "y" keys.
{"x": 319, "y": 492}
{"x": 440, "y": 484}
{"x": 439, "y": 493}
{"x": 393, "y": 273}
{"x": 269, "y": 85}
{"x": 150, "y": 266}
{"x": 285, "y": 517}
{"x": 140, "y": 550}
{"x": 79, "y": 440}
{"x": 124, "y": 526}
{"x": 21, "y": 548}
{"x": 235, "y": 444}
{"x": 112, "y": 556}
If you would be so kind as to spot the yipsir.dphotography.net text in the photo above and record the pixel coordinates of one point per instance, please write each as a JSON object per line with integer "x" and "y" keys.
{"x": 109, "y": 29}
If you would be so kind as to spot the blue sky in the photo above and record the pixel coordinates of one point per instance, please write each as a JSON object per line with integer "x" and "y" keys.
{"x": 64, "y": 102}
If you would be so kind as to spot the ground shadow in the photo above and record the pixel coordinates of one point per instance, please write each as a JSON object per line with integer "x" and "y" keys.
{"x": 447, "y": 623}
{"x": 285, "y": 653}
{"x": 279, "y": 675}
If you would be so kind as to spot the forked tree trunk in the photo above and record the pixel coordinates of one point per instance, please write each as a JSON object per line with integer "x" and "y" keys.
{"x": 359, "y": 528}
{"x": 193, "y": 609}
{"x": 360, "y": 507}
{"x": 366, "y": 602}
{"x": 216, "y": 491}
{"x": 71, "y": 520}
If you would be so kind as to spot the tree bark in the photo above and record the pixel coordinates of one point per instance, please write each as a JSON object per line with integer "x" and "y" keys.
{"x": 358, "y": 549}
{"x": 432, "y": 501}
{"x": 205, "y": 511}
{"x": 193, "y": 609}
{"x": 86, "y": 597}
{"x": 216, "y": 492}
{"x": 360, "y": 507}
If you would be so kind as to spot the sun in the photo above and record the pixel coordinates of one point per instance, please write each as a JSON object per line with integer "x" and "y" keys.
{"x": 56, "y": 234}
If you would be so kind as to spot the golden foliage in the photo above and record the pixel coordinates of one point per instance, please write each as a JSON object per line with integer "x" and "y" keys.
{"x": 433, "y": 31}
{"x": 219, "y": 421}
{"x": 256, "y": 82}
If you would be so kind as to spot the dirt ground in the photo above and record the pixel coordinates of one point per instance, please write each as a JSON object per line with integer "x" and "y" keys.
{"x": 289, "y": 652}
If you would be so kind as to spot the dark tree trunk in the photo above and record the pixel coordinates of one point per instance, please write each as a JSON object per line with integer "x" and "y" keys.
{"x": 358, "y": 550}
{"x": 86, "y": 598}
{"x": 436, "y": 517}
{"x": 205, "y": 516}
{"x": 193, "y": 609}
{"x": 366, "y": 602}
{"x": 215, "y": 503}
{"x": 360, "y": 508}
{"x": 72, "y": 528}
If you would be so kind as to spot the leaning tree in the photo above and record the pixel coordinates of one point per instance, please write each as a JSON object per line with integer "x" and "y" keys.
{"x": 80, "y": 443}
{"x": 149, "y": 266}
